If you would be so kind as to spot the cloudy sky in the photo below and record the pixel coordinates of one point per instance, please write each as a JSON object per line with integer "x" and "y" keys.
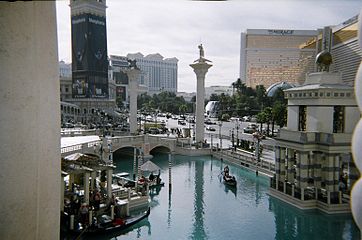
{"x": 174, "y": 28}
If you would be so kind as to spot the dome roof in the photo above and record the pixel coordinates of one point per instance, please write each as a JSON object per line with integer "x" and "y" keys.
{"x": 273, "y": 88}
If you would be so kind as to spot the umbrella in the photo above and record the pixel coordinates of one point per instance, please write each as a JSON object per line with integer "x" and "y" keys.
{"x": 149, "y": 167}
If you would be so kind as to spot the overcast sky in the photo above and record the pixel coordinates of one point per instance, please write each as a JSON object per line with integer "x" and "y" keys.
{"x": 174, "y": 28}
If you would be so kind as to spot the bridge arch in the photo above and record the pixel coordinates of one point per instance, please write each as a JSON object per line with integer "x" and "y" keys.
{"x": 160, "y": 148}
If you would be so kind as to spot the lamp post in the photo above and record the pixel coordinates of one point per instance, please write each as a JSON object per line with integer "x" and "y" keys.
{"x": 220, "y": 125}
{"x": 237, "y": 133}
{"x": 232, "y": 138}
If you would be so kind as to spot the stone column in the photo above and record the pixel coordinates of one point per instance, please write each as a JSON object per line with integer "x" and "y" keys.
{"x": 303, "y": 172}
{"x": 277, "y": 167}
{"x": 317, "y": 173}
{"x": 297, "y": 170}
{"x": 93, "y": 180}
{"x": 282, "y": 165}
{"x": 133, "y": 74}
{"x": 109, "y": 183}
{"x": 29, "y": 121}
{"x": 86, "y": 187}
{"x": 62, "y": 188}
{"x": 200, "y": 69}
{"x": 290, "y": 162}
{"x": 329, "y": 173}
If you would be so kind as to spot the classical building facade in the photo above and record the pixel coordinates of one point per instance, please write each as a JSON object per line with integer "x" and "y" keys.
{"x": 158, "y": 73}
{"x": 314, "y": 165}
{"x": 268, "y": 56}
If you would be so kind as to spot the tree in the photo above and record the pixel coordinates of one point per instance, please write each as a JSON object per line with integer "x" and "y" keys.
{"x": 182, "y": 109}
{"x": 214, "y": 97}
{"x": 268, "y": 117}
{"x": 261, "y": 96}
{"x": 261, "y": 118}
{"x": 225, "y": 117}
{"x": 279, "y": 113}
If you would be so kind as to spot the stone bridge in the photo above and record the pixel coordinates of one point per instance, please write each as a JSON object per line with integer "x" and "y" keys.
{"x": 104, "y": 147}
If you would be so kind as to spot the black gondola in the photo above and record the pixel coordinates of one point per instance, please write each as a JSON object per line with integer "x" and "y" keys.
{"x": 228, "y": 179}
{"x": 105, "y": 224}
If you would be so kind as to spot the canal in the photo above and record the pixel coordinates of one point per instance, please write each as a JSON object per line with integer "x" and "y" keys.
{"x": 200, "y": 206}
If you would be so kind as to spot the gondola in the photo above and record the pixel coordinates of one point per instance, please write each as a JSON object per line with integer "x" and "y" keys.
{"x": 228, "y": 179}
{"x": 106, "y": 224}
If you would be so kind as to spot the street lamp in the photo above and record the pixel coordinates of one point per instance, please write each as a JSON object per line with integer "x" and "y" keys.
{"x": 237, "y": 132}
{"x": 232, "y": 138}
{"x": 220, "y": 125}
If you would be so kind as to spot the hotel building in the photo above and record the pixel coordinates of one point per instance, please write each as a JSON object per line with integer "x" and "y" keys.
{"x": 160, "y": 73}
{"x": 268, "y": 56}
{"x": 342, "y": 42}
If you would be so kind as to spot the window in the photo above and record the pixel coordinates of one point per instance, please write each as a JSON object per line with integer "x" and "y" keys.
{"x": 338, "y": 119}
{"x": 66, "y": 89}
{"x": 302, "y": 120}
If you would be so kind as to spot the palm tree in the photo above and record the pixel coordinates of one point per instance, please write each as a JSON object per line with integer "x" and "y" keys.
{"x": 268, "y": 117}
{"x": 182, "y": 109}
{"x": 261, "y": 118}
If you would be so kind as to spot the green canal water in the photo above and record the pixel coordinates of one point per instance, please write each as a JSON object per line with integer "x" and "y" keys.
{"x": 200, "y": 206}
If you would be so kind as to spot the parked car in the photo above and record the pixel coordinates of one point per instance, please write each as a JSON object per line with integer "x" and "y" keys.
{"x": 211, "y": 129}
{"x": 180, "y": 122}
{"x": 249, "y": 130}
{"x": 252, "y": 128}
{"x": 208, "y": 121}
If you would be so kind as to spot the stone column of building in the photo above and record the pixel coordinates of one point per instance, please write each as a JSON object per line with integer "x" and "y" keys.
{"x": 297, "y": 169}
{"x": 290, "y": 162}
{"x": 337, "y": 172}
{"x": 316, "y": 172}
{"x": 86, "y": 187}
{"x": 329, "y": 174}
{"x": 200, "y": 69}
{"x": 133, "y": 74}
{"x": 303, "y": 172}
{"x": 109, "y": 183}
{"x": 29, "y": 121}
{"x": 277, "y": 167}
{"x": 62, "y": 189}
{"x": 93, "y": 180}
{"x": 282, "y": 167}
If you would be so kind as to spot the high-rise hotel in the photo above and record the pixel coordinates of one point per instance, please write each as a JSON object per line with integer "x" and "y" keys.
{"x": 160, "y": 73}
{"x": 342, "y": 42}
{"x": 268, "y": 56}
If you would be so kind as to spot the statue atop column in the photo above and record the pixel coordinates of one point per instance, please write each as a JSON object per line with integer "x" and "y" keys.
{"x": 202, "y": 58}
{"x": 132, "y": 64}
{"x": 202, "y": 53}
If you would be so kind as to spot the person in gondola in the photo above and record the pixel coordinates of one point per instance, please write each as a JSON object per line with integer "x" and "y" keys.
{"x": 142, "y": 179}
{"x": 226, "y": 170}
{"x": 97, "y": 200}
{"x": 83, "y": 211}
{"x": 151, "y": 177}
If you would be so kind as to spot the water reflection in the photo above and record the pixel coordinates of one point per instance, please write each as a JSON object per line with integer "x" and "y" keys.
{"x": 139, "y": 228}
{"x": 200, "y": 206}
{"x": 198, "y": 231}
{"x": 292, "y": 223}
{"x": 231, "y": 189}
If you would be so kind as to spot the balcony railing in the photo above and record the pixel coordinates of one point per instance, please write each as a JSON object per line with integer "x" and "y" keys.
{"x": 315, "y": 137}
